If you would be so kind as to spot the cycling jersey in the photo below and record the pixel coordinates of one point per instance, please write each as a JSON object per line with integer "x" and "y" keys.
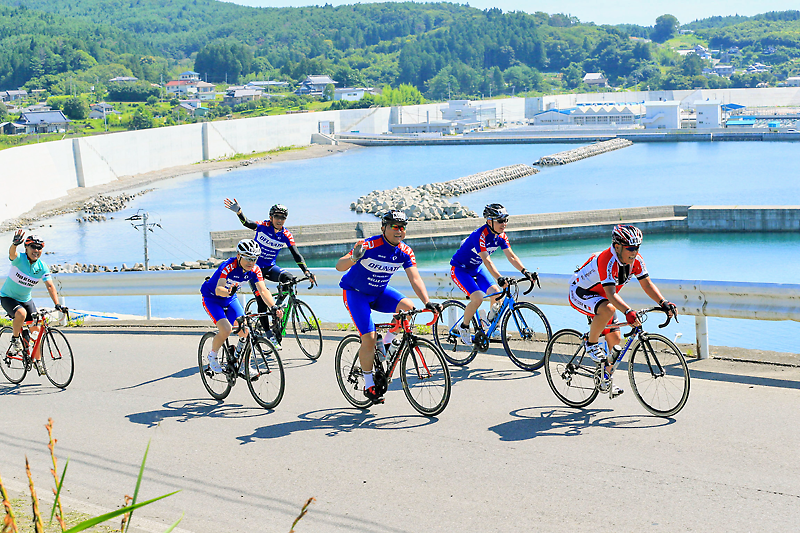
{"x": 371, "y": 273}
{"x": 604, "y": 269}
{"x": 482, "y": 239}
{"x": 232, "y": 272}
{"x": 23, "y": 276}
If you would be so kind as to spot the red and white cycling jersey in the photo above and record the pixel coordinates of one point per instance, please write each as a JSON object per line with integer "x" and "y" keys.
{"x": 605, "y": 269}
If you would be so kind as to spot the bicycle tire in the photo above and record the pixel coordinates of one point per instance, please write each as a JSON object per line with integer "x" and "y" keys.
{"x": 268, "y": 388}
{"x": 426, "y": 383}
{"x": 217, "y": 384}
{"x": 525, "y": 346}
{"x": 658, "y": 375}
{"x": 57, "y": 358}
{"x": 348, "y": 371}
{"x": 446, "y": 335}
{"x": 306, "y": 329}
{"x": 569, "y": 371}
{"x": 13, "y": 367}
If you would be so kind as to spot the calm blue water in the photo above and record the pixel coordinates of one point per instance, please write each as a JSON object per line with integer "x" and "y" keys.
{"x": 320, "y": 190}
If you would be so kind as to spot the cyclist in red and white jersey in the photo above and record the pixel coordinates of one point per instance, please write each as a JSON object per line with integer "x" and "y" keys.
{"x": 594, "y": 290}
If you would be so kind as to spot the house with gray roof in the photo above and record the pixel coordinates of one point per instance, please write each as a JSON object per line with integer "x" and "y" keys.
{"x": 315, "y": 85}
{"x": 44, "y": 121}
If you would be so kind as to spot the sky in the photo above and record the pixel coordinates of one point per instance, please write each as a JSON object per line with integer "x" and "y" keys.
{"x": 642, "y": 12}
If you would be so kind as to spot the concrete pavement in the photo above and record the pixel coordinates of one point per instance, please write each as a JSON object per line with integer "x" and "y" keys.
{"x": 504, "y": 455}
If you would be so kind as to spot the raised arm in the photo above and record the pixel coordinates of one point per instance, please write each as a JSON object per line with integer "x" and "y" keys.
{"x": 233, "y": 205}
{"x": 16, "y": 241}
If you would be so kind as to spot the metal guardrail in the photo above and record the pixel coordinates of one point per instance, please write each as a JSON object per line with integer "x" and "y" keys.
{"x": 701, "y": 299}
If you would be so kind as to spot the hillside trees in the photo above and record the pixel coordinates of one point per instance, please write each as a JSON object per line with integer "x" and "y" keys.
{"x": 224, "y": 61}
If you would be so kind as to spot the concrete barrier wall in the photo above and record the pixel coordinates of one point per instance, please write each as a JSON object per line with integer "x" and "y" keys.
{"x": 737, "y": 219}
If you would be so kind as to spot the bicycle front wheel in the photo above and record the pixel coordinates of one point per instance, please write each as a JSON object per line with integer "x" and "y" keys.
{"x": 56, "y": 354}
{"x": 307, "y": 330}
{"x": 569, "y": 370}
{"x": 264, "y": 371}
{"x": 425, "y": 377}
{"x": 12, "y": 366}
{"x": 525, "y": 331}
{"x": 658, "y": 374}
{"x": 251, "y": 308}
{"x": 447, "y": 337}
{"x": 348, "y": 371}
{"x": 217, "y": 384}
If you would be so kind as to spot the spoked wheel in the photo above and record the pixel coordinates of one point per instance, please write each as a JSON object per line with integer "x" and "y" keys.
{"x": 569, "y": 370}
{"x": 306, "y": 329}
{"x": 525, "y": 331}
{"x": 217, "y": 384}
{"x": 57, "y": 358}
{"x": 445, "y": 333}
{"x": 264, "y": 371}
{"x": 659, "y": 376}
{"x": 13, "y": 366}
{"x": 425, "y": 377}
{"x": 252, "y": 307}
{"x": 348, "y": 371}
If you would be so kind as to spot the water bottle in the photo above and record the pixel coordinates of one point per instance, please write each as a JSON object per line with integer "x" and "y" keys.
{"x": 381, "y": 348}
{"x": 604, "y": 345}
{"x": 239, "y": 348}
{"x": 493, "y": 311}
{"x": 34, "y": 335}
{"x": 483, "y": 317}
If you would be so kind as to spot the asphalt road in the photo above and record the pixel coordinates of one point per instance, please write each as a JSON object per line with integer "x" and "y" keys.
{"x": 504, "y": 456}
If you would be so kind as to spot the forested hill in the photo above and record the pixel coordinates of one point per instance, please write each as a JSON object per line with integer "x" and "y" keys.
{"x": 441, "y": 48}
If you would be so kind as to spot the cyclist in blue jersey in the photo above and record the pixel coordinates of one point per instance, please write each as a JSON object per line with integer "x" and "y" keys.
{"x": 26, "y": 271}
{"x": 219, "y": 291}
{"x": 473, "y": 270}
{"x": 272, "y": 237}
{"x": 369, "y": 266}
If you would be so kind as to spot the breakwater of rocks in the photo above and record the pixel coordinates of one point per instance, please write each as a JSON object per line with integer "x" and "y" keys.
{"x": 429, "y": 201}
{"x": 570, "y": 156}
{"x": 75, "y": 268}
{"x": 94, "y": 209}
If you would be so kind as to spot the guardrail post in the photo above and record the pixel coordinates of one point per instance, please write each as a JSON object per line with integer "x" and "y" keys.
{"x": 701, "y": 332}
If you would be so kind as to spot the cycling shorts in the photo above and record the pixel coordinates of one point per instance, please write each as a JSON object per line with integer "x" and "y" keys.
{"x": 587, "y": 302}
{"x": 470, "y": 281}
{"x": 273, "y": 273}
{"x": 219, "y": 308}
{"x": 360, "y": 306}
{"x": 11, "y": 305}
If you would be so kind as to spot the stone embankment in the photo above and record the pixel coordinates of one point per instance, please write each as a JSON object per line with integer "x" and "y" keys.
{"x": 570, "y": 156}
{"x": 429, "y": 201}
{"x": 75, "y": 268}
{"x": 94, "y": 208}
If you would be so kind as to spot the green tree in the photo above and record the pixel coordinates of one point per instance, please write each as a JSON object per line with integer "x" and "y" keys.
{"x": 3, "y": 111}
{"x": 328, "y": 92}
{"x": 142, "y": 119}
{"x": 224, "y": 61}
{"x": 572, "y": 76}
{"x": 76, "y": 108}
{"x": 666, "y": 27}
{"x": 692, "y": 65}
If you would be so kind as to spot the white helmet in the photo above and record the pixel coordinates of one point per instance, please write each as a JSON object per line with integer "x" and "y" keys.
{"x": 249, "y": 249}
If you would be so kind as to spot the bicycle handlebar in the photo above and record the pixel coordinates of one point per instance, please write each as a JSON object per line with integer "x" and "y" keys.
{"x": 641, "y": 314}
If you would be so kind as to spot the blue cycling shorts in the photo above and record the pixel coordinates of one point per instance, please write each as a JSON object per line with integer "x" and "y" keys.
{"x": 470, "y": 281}
{"x": 219, "y": 308}
{"x": 360, "y": 306}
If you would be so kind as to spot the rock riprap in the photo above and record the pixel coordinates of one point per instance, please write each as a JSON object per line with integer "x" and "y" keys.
{"x": 429, "y": 201}
{"x": 94, "y": 208}
{"x": 75, "y": 268}
{"x": 570, "y": 156}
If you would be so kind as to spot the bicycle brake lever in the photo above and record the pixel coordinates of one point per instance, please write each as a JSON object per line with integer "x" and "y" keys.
{"x": 530, "y": 288}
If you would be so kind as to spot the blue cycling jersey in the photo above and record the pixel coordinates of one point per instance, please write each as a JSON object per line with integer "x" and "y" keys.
{"x": 371, "y": 273}
{"x": 482, "y": 239}
{"x": 233, "y": 273}
{"x": 271, "y": 242}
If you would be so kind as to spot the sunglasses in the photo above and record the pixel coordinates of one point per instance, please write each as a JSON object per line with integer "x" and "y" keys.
{"x": 279, "y": 217}
{"x": 398, "y": 226}
{"x": 35, "y": 246}
{"x": 632, "y": 248}
{"x": 501, "y": 220}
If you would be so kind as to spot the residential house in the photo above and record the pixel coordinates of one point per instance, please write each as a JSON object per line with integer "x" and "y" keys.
{"x": 189, "y": 76}
{"x": 44, "y": 121}
{"x": 595, "y": 79}
{"x": 314, "y": 85}
{"x": 101, "y": 110}
{"x": 11, "y": 96}
{"x": 179, "y": 88}
{"x": 724, "y": 70}
{"x": 756, "y": 68}
{"x": 206, "y": 91}
{"x": 240, "y": 96}
{"x": 123, "y": 79}
{"x": 353, "y": 95}
{"x": 793, "y": 81}
{"x": 194, "y": 108}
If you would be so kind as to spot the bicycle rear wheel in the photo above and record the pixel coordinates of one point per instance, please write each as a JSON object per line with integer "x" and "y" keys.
{"x": 525, "y": 331}
{"x": 446, "y": 335}
{"x": 217, "y": 384}
{"x": 659, "y": 376}
{"x": 57, "y": 359}
{"x": 425, "y": 377}
{"x": 250, "y": 308}
{"x": 12, "y": 366}
{"x": 348, "y": 371}
{"x": 268, "y": 386}
{"x": 569, "y": 370}
{"x": 306, "y": 329}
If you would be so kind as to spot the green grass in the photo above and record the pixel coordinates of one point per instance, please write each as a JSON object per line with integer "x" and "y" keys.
{"x": 253, "y": 155}
{"x": 684, "y": 42}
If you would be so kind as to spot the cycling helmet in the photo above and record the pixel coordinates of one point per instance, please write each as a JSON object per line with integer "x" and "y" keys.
{"x": 280, "y": 210}
{"x": 394, "y": 217}
{"x": 249, "y": 249}
{"x": 626, "y": 235}
{"x": 494, "y": 211}
{"x": 33, "y": 240}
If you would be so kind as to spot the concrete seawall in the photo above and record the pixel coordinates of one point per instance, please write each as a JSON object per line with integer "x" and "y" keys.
{"x": 329, "y": 240}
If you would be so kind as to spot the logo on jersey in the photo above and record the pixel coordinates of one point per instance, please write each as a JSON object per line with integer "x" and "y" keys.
{"x": 266, "y": 242}
{"x": 380, "y": 267}
{"x": 22, "y": 279}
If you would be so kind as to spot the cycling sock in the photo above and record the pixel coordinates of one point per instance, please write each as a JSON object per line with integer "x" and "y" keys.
{"x": 369, "y": 381}
{"x": 212, "y": 353}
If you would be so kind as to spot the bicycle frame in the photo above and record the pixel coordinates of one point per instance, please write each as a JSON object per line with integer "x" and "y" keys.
{"x": 508, "y": 303}
{"x": 405, "y": 321}
{"x": 33, "y": 352}
{"x": 290, "y": 296}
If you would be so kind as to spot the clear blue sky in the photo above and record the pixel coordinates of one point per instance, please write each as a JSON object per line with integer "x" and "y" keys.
{"x": 642, "y": 12}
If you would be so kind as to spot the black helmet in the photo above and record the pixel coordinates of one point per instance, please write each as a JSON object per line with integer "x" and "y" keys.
{"x": 494, "y": 211}
{"x": 394, "y": 216}
{"x": 280, "y": 210}
{"x": 35, "y": 241}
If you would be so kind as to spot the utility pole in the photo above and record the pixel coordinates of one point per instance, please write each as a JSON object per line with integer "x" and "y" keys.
{"x": 145, "y": 226}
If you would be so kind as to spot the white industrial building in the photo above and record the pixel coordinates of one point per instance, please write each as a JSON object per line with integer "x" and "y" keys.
{"x": 464, "y": 110}
{"x": 708, "y": 113}
{"x": 662, "y": 115}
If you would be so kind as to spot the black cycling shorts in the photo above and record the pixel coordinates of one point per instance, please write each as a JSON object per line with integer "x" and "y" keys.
{"x": 11, "y": 305}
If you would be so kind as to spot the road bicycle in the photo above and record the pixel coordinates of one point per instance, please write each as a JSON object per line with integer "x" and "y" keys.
{"x": 423, "y": 369}
{"x": 523, "y": 330}
{"x": 304, "y": 324}
{"x": 50, "y": 349}
{"x": 257, "y": 362}
{"x": 657, "y": 369}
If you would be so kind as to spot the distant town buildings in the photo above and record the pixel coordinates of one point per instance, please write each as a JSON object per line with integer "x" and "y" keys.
{"x": 595, "y": 79}
{"x": 315, "y": 85}
{"x": 123, "y": 79}
{"x": 353, "y": 94}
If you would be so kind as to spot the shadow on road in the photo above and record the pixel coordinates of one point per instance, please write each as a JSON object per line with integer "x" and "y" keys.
{"x": 532, "y": 422}
{"x": 27, "y": 389}
{"x": 186, "y": 410}
{"x": 185, "y": 373}
{"x": 335, "y": 421}
{"x": 461, "y": 373}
